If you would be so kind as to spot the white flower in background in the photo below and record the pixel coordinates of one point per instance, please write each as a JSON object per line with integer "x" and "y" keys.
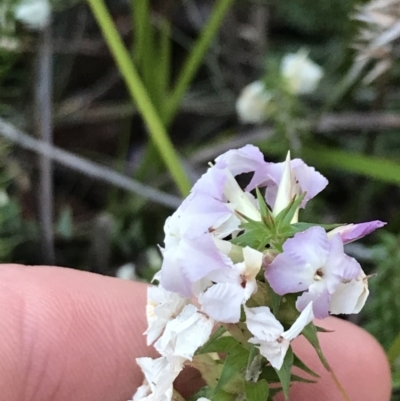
{"x": 185, "y": 334}
{"x": 159, "y": 375}
{"x": 126, "y": 271}
{"x": 252, "y": 103}
{"x": 4, "y": 199}
{"x": 301, "y": 73}
{"x": 162, "y": 306}
{"x": 269, "y": 334}
{"x": 34, "y": 13}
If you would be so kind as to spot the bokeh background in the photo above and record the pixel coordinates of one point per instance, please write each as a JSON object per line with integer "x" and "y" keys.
{"x": 110, "y": 109}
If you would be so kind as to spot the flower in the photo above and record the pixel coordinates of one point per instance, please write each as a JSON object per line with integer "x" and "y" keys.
{"x": 353, "y": 232}
{"x": 34, "y": 13}
{"x": 159, "y": 375}
{"x": 350, "y": 296}
{"x": 185, "y": 334}
{"x": 313, "y": 263}
{"x": 162, "y": 306}
{"x": 269, "y": 333}
{"x": 302, "y": 179}
{"x": 251, "y": 105}
{"x": 233, "y": 287}
{"x": 302, "y": 75}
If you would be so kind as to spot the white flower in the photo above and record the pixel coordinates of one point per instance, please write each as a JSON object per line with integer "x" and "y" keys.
{"x": 252, "y": 103}
{"x": 162, "y": 306}
{"x": 159, "y": 375}
{"x": 233, "y": 286}
{"x": 269, "y": 333}
{"x": 302, "y": 74}
{"x": 350, "y": 297}
{"x": 34, "y": 13}
{"x": 127, "y": 272}
{"x": 185, "y": 334}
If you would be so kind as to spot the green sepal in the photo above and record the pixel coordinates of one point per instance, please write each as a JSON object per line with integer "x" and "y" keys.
{"x": 256, "y": 391}
{"x": 285, "y": 372}
{"x": 256, "y": 235}
{"x": 286, "y": 215}
{"x": 311, "y": 334}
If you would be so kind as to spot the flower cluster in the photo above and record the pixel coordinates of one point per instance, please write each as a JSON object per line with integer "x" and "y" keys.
{"x": 300, "y": 76}
{"x": 236, "y": 260}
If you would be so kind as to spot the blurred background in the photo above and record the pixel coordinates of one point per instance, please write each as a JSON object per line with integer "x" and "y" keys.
{"x": 110, "y": 110}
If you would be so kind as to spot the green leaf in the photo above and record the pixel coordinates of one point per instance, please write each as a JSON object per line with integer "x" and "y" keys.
{"x": 256, "y": 391}
{"x": 285, "y": 372}
{"x": 300, "y": 227}
{"x": 296, "y": 378}
{"x": 311, "y": 334}
{"x": 301, "y": 365}
{"x": 256, "y": 235}
{"x": 286, "y": 215}
{"x": 222, "y": 344}
{"x": 235, "y": 362}
{"x": 65, "y": 223}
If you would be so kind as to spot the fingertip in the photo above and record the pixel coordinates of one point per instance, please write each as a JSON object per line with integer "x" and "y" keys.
{"x": 68, "y": 333}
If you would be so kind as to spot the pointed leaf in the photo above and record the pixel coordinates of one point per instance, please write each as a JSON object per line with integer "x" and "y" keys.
{"x": 285, "y": 372}
{"x": 310, "y": 333}
{"x": 235, "y": 362}
{"x": 286, "y": 215}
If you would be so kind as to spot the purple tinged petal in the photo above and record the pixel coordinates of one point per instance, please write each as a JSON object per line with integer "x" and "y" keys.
{"x": 319, "y": 296}
{"x": 353, "y": 232}
{"x": 199, "y": 257}
{"x": 294, "y": 269}
{"x": 212, "y": 183}
{"x": 339, "y": 266}
{"x": 289, "y": 274}
{"x": 309, "y": 180}
{"x": 203, "y": 214}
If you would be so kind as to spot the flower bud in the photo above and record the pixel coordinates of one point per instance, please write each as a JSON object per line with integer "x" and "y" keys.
{"x": 252, "y": 103}
{"x": 302, "y": 75}
{"x": 34, "y": 13}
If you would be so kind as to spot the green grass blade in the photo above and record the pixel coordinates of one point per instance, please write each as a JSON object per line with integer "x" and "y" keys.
{"x": 139, "y": 94}
{"x": 196, "y": 57}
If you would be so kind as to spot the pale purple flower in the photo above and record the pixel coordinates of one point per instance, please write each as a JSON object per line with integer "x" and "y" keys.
{"x": 313, "y": 263}
{"x": 353, "y": 232}
{"x": 307, "y": 179}
{"x": 269, "y": 334}
{"x": 233, "y": 286}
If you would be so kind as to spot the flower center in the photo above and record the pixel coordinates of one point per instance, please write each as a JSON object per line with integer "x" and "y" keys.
{"x": 319, "y": 274}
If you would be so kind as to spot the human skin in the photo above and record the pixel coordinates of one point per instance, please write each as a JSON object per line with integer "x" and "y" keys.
{"x": 70, "y": 335}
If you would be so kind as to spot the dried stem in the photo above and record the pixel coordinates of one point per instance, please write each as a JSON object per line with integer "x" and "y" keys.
{"x": 44, "y": 128}
{"x": 85, "y": 166}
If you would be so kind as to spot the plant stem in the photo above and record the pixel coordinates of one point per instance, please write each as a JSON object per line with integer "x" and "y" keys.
{"x": 139, "y": 94}
{"x": 196, "y": 57}
{"x": 44, "y": 127}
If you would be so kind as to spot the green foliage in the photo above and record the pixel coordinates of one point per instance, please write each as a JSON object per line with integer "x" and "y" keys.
{"x": 381, "y": 312}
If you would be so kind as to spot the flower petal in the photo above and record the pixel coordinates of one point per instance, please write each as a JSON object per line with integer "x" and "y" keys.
{"x": 353, "y": 232}
{"x": 263, "y": 324}
{"x": 350, "y": 297}
{"x": 222, "y": 302}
